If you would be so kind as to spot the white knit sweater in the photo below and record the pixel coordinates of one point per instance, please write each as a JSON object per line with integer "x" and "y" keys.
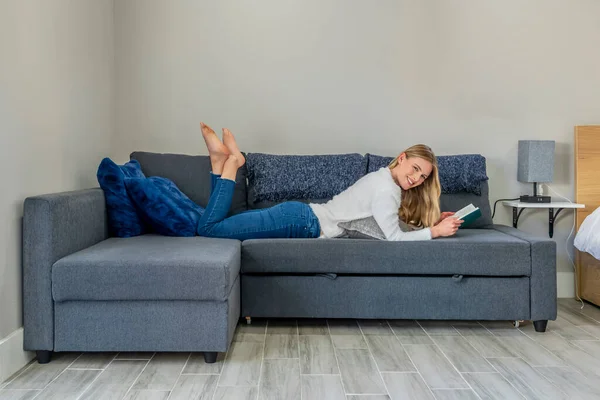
{"x": 374, "y": 195}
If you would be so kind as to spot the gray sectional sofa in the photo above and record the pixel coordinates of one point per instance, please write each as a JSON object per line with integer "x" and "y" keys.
{"x": 86, "y": 291}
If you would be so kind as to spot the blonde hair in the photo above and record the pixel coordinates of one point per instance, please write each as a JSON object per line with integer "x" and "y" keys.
{"x": 420, "y": 206}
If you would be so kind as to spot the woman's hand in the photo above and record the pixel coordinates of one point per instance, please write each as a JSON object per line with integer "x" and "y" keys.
{"x": 447, "y": 227}
{"x": 444, "y": 215}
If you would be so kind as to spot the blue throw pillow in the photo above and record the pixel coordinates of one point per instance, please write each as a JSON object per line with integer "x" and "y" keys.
{"x": 123, "y": 218}
{"x": 295, "y": 177}
{"x": 168, "y": 210}
{"x": 458, "y": 173}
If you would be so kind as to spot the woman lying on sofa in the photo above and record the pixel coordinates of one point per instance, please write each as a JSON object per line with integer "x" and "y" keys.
{"x": 408, "y": 188}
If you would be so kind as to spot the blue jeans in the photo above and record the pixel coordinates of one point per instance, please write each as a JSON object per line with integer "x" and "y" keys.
{"x": 291, "y": 219}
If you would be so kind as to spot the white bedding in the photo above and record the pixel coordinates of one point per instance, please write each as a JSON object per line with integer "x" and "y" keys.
{"x": 588, "y": 236}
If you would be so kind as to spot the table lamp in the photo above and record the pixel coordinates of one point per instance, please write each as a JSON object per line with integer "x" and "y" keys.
{"x": 536, "y": 164}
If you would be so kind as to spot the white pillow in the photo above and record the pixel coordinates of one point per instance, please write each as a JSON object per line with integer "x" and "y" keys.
{"x": 588, "y": 236}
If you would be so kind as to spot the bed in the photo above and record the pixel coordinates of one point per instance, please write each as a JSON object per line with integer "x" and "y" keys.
{"x": 587, "y": 191}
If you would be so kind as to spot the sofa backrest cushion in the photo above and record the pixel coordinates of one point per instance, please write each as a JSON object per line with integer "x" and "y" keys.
{"x": 463, "y": 179}
{"x": 191, "y": 174}
{"x": 309, "y": 178}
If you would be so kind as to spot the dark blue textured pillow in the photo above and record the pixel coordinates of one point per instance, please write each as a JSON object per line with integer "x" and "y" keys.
{"x": 123, "y": 218}
{"x": 167, "y": 209}
{"x": 458, "y": 173}
{"x": 293, "y": 177}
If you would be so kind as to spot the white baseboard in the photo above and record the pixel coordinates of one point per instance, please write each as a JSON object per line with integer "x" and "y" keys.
{"x": 12, "y": 355}
{"x": 565, "y": 284}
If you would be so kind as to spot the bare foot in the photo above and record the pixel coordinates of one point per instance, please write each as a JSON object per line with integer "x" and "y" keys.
{"x": 231, "y": 167}
{"x": 231, "y": 145}
{"x": 218, "y": 151}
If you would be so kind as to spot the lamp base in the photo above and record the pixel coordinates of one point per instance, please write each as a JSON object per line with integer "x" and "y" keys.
{"x": 535, "y": 199}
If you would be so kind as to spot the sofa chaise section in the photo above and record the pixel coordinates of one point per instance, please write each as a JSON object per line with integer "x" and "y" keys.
{"x": 87, "y": 292}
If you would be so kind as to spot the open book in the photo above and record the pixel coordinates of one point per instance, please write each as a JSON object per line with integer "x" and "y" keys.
{"x": 468, "y": 214}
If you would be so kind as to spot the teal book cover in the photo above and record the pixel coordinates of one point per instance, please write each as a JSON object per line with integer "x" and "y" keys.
{"x": 467, "y": 214}
{"x": 469, "y": 218}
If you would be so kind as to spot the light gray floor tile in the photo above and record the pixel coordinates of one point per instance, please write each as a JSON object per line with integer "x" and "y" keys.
{"x": 322, "y": 387}
{"x": 589, "y": 310}
{"x": 343, "y": 327}
{"x": 551, "y": 341}
{"x": 69, "y": 385}
{"x": 281, "y": 346}
{"x": 147, "y": 395}
{"x": 282, "y": 326}
{"x": 236, "y": 393}
{"x": 531, "y": 351}
{"x": 280, "y": 380}
{"x": 18, "y": 394}
{"x": 490, "y": 346}
{"x": 249, "y": 337}
{"x": 258, "y": 326}
{"x": 349, "y": 341}
{"x": 574, "y": 317}
{"x": 367, "y": 397}
{"x": 37, "y": 376}
{"x": 526, "y": 379}
{"x": 317, "y": 356}
{"x": 93, "y": 360}
{"x": 592, "y": 347}
{"x": 593, "y": 330}
{"x": 313, "y": 327}
{"x": 406, "y": 386}
{"x": 462, "y": 355}
{"x": 162, "y": 372}
{"x": 409, "y": 332}
{"x": 242, "y": 365}
{"x": 492, "y": 386}
{"x": 569, "y": 331}
{"x": 359, "y": 372}
{"x": 134, "y": 356}
{"x": 254, "y": 332}
{"x": 197, "y": 365}
{"x": 378, "y": 327}
{"x": 389, "y": 354}
{"x": 436, "y": 370}
{"x": 471, "y": 328}
{"x": 197, "y": 387}
{"x": 115, "y": 380}
{"x": 501, "y": 328}
{"x": 574, "y": 384}
{"x": 455, "y": 394}
{"x": 438, "y": 328}
{"x": 581, "y": 360}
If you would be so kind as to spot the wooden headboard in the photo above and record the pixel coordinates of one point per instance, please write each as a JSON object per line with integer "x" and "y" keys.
{"x": 587, "y": 191}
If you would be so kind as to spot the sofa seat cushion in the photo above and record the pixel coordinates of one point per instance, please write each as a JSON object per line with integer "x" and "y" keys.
{"x": 149, "y": 267}
{"x": 474, "y": 252}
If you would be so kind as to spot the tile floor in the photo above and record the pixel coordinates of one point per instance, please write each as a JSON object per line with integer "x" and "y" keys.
{"x": 346, "y": 360}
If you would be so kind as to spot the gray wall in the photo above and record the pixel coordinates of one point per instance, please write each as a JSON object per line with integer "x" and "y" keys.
{"x": 56, "y": 114}
{"x": 333, "y": 76}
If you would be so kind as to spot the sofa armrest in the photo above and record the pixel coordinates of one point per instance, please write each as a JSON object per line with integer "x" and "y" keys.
{"x": 543, "y": 273}
{"x": 54, "y": 225}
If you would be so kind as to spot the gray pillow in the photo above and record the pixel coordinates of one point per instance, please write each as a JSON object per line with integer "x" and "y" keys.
{"x": 368, "y": 228}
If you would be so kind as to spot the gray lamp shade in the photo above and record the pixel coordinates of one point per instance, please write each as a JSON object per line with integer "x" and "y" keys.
{"x": 536, "y": 161}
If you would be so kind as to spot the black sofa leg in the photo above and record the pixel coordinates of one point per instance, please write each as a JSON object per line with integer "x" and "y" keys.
{"x": 210, "y": 357}
{"x": 540, "y": 326}
{"x": 43, "y": 356}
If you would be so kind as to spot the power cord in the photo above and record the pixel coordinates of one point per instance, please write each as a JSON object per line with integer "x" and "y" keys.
{"x": 496, "y": 202}
{"x": 567, "y": 243}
